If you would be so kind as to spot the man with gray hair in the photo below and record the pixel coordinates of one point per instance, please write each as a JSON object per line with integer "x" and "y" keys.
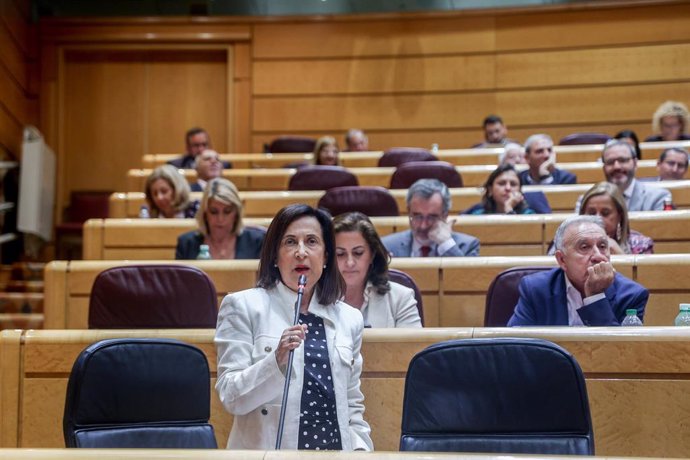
{"x": 585, "y": 290}
{"x": 356, "y": 141}
{"x": 541, "y": 161}
{"x": 430, "y": 234}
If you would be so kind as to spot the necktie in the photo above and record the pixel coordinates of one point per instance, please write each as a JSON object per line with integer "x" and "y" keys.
{"x": 425, "y": 251}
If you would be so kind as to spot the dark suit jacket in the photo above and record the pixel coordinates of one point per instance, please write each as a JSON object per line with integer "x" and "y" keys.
{"x": 400, "y": 244}
{"x": 248, "y": 245}
{"x": 559, "y": 177}
{"x": 543, "y": 302}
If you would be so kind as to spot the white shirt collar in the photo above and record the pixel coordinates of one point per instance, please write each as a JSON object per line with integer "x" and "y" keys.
{"x": 575, "y": 302}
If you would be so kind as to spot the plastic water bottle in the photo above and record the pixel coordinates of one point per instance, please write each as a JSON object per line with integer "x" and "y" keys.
{"x": 204, "y": 253}
{"x": 631, "y": 318}
{"x": 683, "y": 318}
{"x": 144, "y": 212}
{"x": 434, "y": 149}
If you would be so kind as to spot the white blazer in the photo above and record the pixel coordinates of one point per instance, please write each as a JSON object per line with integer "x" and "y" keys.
{"x": 396, "y": 308}
{"x": 250, "y": 383}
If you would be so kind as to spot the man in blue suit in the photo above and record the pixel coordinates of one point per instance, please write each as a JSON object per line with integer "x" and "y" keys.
{"x": 585, "y": 290}
{"x": 430, "y": 234}
{"x": 541, "y": 160}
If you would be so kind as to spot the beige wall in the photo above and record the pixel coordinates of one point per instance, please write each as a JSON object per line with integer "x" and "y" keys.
{"x": 114, "y": 89}
{"x": 18, "y": 86}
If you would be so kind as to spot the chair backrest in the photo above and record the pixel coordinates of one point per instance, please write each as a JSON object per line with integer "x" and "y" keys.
{"x": 503, "y": 295}
{"x": 321, "y": 178}
{"x": 403, "y": 278}
{"x": 139, "y": 393}
{"x": 408, "y": 173}
{"x": 584, "y": 139}
{"x": 399, "y": 155}
{"x": 291, "y": 144}
{"x": 86, "y": 205}
{"x": 153, "y": 296}
{"x": 506, "y": 395}
{"x": 369, "y": 200}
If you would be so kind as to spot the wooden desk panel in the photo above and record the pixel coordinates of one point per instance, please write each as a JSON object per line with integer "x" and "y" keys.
{"x": 472, "y": 175}
{"x": 636, "y": 381}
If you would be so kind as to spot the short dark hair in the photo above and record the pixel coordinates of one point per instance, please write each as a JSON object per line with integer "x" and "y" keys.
{"x": 630, "y": 134}
{"x": 331, "y": 285}
{"x": 491, "y": 119}
{"x": 378, "y": 270}
{"x": 488, "y": 201}
{"x": 663, "y": 155}
{"x": 193, "y": 132}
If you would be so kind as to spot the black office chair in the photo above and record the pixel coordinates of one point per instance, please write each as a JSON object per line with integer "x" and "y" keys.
{"x": 139, "y": 393}
{"x": 506, "y": 395}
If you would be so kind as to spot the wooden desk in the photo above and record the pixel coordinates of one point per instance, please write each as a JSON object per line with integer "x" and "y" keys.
{"x": 458, "y": 157}
{"x": 453, "y": 288}
{"x": 637, "y": 380}
{"x": 472, "y": 175}
{"x": 500, "y": 235}
{"x": 562, "y": 198}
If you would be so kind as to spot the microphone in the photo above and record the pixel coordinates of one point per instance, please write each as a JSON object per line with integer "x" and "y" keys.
{"x": 301, "y": 283}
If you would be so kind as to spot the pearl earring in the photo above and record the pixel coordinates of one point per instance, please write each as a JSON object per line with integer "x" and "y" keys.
{"x": 324, "y": 266}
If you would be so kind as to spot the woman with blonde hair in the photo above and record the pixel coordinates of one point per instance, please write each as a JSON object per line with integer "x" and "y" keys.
{"x": 605, "y": 200}
{"x": 671, "y": 122}
{"x": 167, "y": 194}
{"x": 220, "y": 226}
{"x": 326, "y": 152}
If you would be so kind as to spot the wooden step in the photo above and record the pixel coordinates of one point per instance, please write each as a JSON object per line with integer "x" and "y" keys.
{"x": 22, "y": 286}
{"x": 21, "y": 321}
{"x": 28, "y": 271}
{"x": 21, "y": 302}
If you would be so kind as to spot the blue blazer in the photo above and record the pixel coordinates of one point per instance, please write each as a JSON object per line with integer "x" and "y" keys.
{"x": 248, "y": 245}
{"x": 400, "y": 244}
{"x": 543, "y": 302}
{"x": 559, "y": 177}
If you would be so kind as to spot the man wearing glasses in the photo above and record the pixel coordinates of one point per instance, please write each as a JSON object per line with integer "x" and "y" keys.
{"x": 672, "y": 165}
{"x": 620, "y": 164}
{"x": 430, "y": 234}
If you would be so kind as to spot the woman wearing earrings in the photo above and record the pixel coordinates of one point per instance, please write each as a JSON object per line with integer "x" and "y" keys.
{"x": 605, "y": 199}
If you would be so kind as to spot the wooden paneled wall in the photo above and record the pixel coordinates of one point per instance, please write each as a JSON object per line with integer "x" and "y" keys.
{"x": 114, "y": 89}
{"x": 418, "y": 80}
{"x": 18, "y": 84}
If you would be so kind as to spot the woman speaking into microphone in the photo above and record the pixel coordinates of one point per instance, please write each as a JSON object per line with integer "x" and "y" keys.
{"x": 255, "y": 334}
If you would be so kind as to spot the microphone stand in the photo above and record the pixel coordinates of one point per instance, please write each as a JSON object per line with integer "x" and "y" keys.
{"x": 301, "y": 282}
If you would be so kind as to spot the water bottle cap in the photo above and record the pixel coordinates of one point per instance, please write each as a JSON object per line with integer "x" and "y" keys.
{"x": 204, "y": 247}
{"x": 684, "y": 307}
{"x": 631, "y": 311}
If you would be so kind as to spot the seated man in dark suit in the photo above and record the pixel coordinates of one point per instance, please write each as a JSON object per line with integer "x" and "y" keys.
{"x": 430, "y": 234}
{"x": 585, "y": 290}
{"x": 196, "y": 141}
{"x": 542, "y": 163}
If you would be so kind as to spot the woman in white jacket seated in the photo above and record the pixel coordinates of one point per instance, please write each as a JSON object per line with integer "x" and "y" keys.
{"x": 363, "y": 261}
{"x": 254, "y": 336}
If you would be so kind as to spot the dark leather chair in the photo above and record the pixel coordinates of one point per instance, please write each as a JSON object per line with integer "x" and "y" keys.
{"x": 321, "y": 178}
{"x": 503, "y": 295}
{"x": 84, "y": 205}
{"x": 369, "y": 200}
{"x": 139, "y": 393}
{"x": 505, "y": 395}
{"x": 153, "y": 296}
{"x": 399, "y": 155}
{"x": 408, "y": 173}
{"x": 584, "y": 139}
{"x": 400, "y": 277}
{"x": 290, "y": 144}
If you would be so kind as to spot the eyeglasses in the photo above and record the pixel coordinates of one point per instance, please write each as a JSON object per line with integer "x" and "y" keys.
{"x": 621, "y": 160}
{"x": 431, "y": 219}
